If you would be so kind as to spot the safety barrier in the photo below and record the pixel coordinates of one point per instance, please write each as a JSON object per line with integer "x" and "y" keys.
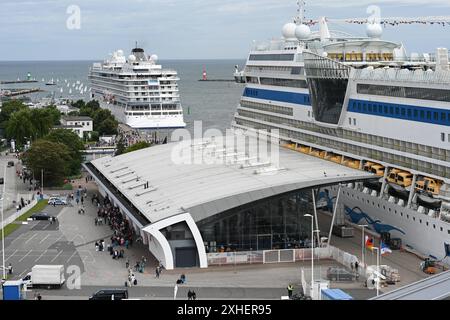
{"x": 280, "y": 256}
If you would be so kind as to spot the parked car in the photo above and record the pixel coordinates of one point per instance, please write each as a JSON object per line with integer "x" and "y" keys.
{"x": 340, "y": 274}
{"x": 42, "y": 216}
{"x": 57, "y": 201}
{"x": 110, "y": 294}
{"x": 10, "y": 163}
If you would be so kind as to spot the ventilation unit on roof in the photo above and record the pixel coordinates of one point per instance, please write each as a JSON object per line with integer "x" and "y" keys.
{"x": 255, "y": 164}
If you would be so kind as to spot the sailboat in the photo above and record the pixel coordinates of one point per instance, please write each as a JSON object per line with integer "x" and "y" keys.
{"x": 51, "y": 83}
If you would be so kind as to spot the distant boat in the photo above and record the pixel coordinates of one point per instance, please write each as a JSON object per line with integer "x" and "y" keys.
{"x": 51, "y": 83}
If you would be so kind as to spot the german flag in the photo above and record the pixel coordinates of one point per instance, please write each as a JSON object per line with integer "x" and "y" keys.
{"x": 369, "y": 243}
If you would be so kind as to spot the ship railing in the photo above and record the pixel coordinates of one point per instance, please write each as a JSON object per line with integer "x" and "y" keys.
{"x": 402, "y": 75}
{"x": 269, "y": 45}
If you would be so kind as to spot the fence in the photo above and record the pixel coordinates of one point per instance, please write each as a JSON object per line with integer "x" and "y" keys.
{"x": 279, "y": 256}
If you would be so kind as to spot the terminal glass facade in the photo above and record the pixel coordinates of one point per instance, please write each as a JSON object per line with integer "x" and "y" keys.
{"x": 271, "y": 223}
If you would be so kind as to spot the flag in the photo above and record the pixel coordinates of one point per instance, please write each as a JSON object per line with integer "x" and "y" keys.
{"x": 384, "y": 249}
{"x": 369, "y": 243}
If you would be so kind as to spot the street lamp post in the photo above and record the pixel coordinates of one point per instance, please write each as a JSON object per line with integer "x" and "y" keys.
{"x": 378, "y": 269}
{"x": 312, "y": 252}
{"x": 3, "y": 227}
{"x": 363, "y": 246}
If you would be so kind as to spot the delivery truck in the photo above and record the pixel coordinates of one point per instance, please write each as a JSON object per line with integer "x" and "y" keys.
{"x": 47, "y": 276}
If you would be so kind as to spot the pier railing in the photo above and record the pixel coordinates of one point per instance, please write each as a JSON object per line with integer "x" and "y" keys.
{"x": 280, "y": 256}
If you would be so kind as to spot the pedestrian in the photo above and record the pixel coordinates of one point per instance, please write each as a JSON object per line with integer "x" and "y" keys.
{"x": 82, "y": 200}
{"x": 157, "y": 272}
{"x": 39, "y": 297}
{"x": 127, "y": 264}
{"x": 290, "y": 289}
{"x": 10, "y": 269}
{"x": 352, "y": 266}
{"x": 96, "y": 221}
{"x": 189, "y": 294}
{"x": 356, "y": 270}
{"x": 194, "y": 295}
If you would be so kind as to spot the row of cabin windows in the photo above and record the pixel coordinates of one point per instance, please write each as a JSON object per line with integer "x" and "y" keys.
{"x": 422, "y": 114}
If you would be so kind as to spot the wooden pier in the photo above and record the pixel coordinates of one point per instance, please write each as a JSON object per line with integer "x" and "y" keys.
{"x": 17, "y": 81}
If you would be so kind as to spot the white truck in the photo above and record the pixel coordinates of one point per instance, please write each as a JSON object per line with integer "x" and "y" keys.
{"x": 47, "y": 276}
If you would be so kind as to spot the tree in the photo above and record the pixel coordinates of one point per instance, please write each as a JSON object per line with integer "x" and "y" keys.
{"x": 120, "y": 146}
{"x": 137, "y": 146}
{"x": 73, "y": 143}
{"x": 52, "y": 157}
{"x": 78, "y": 104}
{"x": 42, "y": 121}
{"x": 8, "y": 108}
{"x": 94, "y": 136}
{"x": 20, "y": 127}
{"x": 107, "y": 126}
{"x": 73, "y": 113}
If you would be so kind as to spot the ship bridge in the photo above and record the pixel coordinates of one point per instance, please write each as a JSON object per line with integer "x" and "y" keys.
{"x": 187, "y": 199}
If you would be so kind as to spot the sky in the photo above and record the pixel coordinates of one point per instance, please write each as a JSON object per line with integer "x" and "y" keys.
{"x": 188, "y": 29}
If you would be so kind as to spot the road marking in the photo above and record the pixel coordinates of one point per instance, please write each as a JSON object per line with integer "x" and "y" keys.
{"x": 40, "y": 256}
{"x": 34, "y": 235}
{"x": 25, "y": 255}
{"x": 19, "y": 237}
{"x": 11, "y": 255}
{"x": 72, "y": 256}
{"x": 48, "y": 235}
{"x": 56, "y": 256}
{"x": 22, "y": 273}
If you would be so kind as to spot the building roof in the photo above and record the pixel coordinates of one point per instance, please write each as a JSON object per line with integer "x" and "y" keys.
{"x": 76, "y": 118}
{"x": 204, "y": 190}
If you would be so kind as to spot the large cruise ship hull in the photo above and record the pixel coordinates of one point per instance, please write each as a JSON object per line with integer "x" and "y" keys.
{"x": 145, "y": 122}
{"x": 418, "y": 231}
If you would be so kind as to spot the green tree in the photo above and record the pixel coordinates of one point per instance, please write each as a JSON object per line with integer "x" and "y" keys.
{"x": 42, "y": 121}
{"x": 137, "y": 146}
{"x": 52, "y": 157}
{"x": 73, "y": 143}
{"x": 107, "y": 126}
{"x": 94, "y": 136}
{"x": 8, "y": 108}
{"x": 78, "y": 104}
{"x": 120, "y": 146}
{"x": 20, "y": 127}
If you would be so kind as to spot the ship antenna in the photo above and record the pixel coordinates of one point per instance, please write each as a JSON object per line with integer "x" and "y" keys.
{"x": 301, "y": 4}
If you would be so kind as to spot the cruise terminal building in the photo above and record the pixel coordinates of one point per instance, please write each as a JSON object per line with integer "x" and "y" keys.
{"x": 183, "y": 211}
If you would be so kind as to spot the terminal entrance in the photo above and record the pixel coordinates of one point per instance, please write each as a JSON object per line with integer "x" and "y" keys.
{"x": 186, "y": 257}
{"x": 277, "y": 222}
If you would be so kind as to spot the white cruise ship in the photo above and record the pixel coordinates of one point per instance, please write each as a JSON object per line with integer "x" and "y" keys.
{"x": 364, "y": 103}
{"x": 138, "y": 91}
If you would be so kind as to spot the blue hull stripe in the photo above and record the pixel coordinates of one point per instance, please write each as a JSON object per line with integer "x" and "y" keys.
{"x": 401, "y": 111}
{"x": 281, "y": 96}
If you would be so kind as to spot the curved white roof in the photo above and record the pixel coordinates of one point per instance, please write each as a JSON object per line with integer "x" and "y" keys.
{"x": 207, "y": 189}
